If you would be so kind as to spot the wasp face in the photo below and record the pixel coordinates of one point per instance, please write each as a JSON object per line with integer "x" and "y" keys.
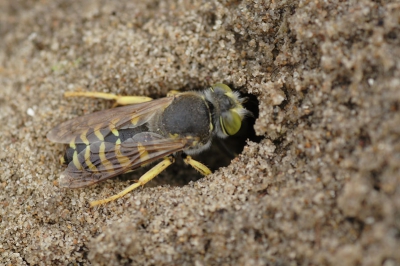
{"x": 228, "y": 109}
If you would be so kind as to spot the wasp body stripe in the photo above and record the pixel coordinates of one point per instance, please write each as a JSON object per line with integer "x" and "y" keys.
{"x": 122, "y": 160}
{"x": 72, "y": 144}
{"x": 88, "y": 160}
{"x": 104, "y": 161}
{"x": 113, "y": 127}
{"x": 84, "y": 138}
{"x": 135, "y": 120}
{"x": 115, "y": 132}
{"x": 144, "y": 155}
{"x": 76, "y": 162}
{"x": 98, "y": 134}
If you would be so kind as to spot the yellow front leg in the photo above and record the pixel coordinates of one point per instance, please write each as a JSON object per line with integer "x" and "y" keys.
{"x": 119, "y": 100}
{"x": 149, "y": 175}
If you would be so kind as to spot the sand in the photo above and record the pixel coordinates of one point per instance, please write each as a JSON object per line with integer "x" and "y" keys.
{"x": 320, "y": 187}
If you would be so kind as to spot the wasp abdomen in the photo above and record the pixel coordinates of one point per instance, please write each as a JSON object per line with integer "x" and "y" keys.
{"x": 117, "y": 137}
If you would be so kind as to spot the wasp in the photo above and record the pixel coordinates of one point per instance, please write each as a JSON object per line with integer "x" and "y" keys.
{"x": 112, "y": 142}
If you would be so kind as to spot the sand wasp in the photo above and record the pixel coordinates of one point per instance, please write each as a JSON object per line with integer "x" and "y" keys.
{"x": 111, "y": 142}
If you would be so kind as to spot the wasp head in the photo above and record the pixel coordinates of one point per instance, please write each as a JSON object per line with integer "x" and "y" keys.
{"x": 228, "y": 112}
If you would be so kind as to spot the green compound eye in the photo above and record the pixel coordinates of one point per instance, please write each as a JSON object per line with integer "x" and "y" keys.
{"x": 230, "y": 122}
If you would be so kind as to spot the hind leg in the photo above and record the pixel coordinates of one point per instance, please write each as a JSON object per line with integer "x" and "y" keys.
{"x": 149, "y": 175}
{"x": 119, "y": 100}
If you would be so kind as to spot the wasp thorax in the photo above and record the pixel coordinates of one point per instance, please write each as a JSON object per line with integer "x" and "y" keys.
{"x": 229, "y": 111}
{"x": 187, "y": 116}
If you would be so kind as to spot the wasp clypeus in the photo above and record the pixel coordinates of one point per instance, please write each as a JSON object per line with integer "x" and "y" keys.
{"x": 108, "y": 143}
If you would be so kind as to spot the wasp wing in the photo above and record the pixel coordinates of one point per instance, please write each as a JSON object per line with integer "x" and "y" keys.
{"x": 103, "y": 160}
{"x": 88, "y": 128}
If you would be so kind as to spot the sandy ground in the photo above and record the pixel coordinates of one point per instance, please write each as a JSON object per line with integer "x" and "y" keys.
{"x": 320, "y": 188}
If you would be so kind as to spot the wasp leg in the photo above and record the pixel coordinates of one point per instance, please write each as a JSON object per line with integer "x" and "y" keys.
{"x": 196, "y": 165}
{"x": 149, "y": 175}
{"x": 119, "y": 100}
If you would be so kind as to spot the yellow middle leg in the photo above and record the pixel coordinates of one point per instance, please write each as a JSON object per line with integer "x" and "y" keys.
{"x": 119, "y": 100}
{"x": 149, "y": 175}
{"x": 204, "y": 170}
